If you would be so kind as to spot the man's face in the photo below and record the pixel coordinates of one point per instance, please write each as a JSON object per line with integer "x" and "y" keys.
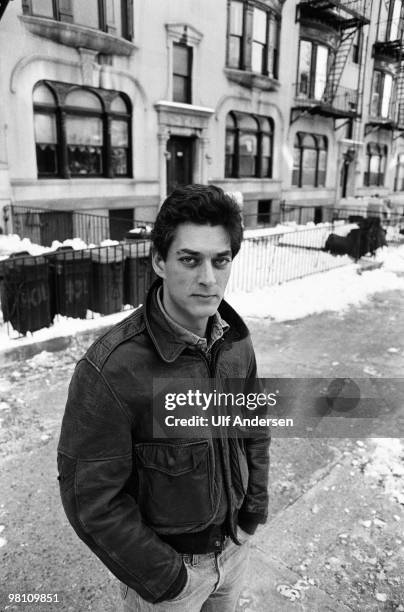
{"x": 195, "y": 273}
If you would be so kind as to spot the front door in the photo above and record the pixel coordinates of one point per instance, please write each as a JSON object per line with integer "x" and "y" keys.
{"x": 180, "y": 162}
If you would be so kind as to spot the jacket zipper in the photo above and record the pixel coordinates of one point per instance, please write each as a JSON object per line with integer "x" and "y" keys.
{"x": 211, "y": 367}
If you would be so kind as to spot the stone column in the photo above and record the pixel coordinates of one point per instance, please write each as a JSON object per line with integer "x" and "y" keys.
{"x": 203, "y": 159}
{"x": 163, "y": 137}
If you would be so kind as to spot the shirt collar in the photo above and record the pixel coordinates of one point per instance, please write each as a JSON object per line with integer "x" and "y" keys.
{"x": 216, "y": 328}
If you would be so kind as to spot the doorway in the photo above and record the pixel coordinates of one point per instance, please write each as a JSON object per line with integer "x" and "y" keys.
{"x": 180, "y": 162}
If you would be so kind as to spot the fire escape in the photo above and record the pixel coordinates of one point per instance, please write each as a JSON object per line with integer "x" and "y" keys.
{"x": 3, "y": 6}
{"x": 388, "y": 51}
{"x": 345, "y": 18}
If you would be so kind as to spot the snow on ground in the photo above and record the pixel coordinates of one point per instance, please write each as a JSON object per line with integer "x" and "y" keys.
{"x": 63, "y": 326}
{"x": 334, "y": 290}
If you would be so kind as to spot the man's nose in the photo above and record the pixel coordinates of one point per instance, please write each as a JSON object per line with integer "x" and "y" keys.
{"x": 207, "y": 274}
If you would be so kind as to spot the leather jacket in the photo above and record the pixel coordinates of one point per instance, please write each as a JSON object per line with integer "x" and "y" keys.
{"x": 122, "y": 489}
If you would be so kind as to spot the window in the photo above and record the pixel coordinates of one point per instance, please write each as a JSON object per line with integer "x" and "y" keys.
{"x": 182, "y": 73}
{"x": 312, "y": 70}
{"x": 376, "y": 156}
{"x": 248, "y": 145}
{"x": 382, "y": 95}
{"x": 236, "y": 27}
{"x": 309, "y": 160}
{"x": 394, "y": 22}
{"x": 399, "y": 178}
{"x": 81, "y": 132}
{"x": 264, "y": 212}
{"x": 253, "y": 42}
{"x": 112, "y": 16}
{"x": 357, "y": 46}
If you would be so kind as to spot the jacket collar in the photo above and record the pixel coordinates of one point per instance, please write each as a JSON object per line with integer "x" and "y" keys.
{"x": 168, "y": 345}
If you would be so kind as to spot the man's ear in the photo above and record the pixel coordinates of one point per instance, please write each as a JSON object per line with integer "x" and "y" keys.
{"x": 158, "y": 264}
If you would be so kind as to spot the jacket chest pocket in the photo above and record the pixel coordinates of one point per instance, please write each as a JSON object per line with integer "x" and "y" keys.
{"x": 175, "y": 483}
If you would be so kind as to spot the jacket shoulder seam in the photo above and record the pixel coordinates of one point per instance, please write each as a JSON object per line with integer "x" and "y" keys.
{"x": 110, "y": 389}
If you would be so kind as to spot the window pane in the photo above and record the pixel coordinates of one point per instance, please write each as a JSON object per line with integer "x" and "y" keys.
{"x": 258, "y": 57}
{"x": 374, "y": 163}
{"x": 84, "y": 130}
{"x": 296, "y": 166}
{"x": 83, "y": 99}
{"x": 230, "y": 142}
{"x": 181, "y": 59}
{"x": 46, "y": 159}
{"x": 43, "y": 8}
{"x": 43, "y": 95}
{"x": 322, "y": 166}
{"x": 260, "y": 26}
{"x": 114, "y": 15}
{"x": 180, "y": 89}
{"x": 234, "y": 52}
{"x": 388, "y": 85}
{"x": 304, "y": 68}
{"x": 86, "y": 13}
{"x": 321, "y": 72}
{"x": 247, "y": 122}
{"x": 45, "y": 128}
{"x": 395, "y": 21}
{"x": 120, "y": 161}
{"x": 376, "y": 94}
{"x": 118, "y": 105}
{"x": 247, "y": 154}
{"x": 85, "y": 161}
{"x": 236, "y": 18}
{"x": 119, "y": 133}
{"x": 266, "y": 145}
{"x": 272, "y": 47}
{"x": 309, "y": 167}
{"x": 46, "y": 143}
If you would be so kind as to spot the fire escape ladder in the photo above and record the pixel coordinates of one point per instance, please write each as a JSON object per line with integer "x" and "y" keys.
{"x": 400, "y": 95}
{"x": 338, "y": 65}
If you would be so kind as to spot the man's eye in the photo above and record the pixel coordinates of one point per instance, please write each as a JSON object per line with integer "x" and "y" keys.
{"x": 189, "y": 261}
{"x": 222, "y": 262}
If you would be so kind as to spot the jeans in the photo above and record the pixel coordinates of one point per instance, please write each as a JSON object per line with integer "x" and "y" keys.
{"x": 214, "y": 583}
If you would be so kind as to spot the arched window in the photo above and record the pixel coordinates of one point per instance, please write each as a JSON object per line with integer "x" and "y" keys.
{"x": 309, "y": 160}
{"x": 376, "y": 157}
{"x": 120, "y": 136}
{"x": 80, "y": 132}
{"x": 248, "y": 145}
{"x": 45, "y": 129}
{"x": 84, "y": 133}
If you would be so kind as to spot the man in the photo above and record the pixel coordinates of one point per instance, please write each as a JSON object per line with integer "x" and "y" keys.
{"x": 169, "y": 517}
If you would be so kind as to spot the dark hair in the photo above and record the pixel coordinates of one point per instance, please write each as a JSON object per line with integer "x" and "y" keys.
{"x": 200, "y": 204}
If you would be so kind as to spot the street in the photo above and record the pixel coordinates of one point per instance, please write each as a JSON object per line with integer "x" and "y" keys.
{"x": 334, "y": 539}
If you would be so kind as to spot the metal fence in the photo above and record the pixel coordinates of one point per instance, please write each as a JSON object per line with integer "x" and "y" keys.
{"x": 279, "y": 257}
{"x": 73, "y": 283}
{"x": 43, "y": 226}
{"x": 103, "y": 280}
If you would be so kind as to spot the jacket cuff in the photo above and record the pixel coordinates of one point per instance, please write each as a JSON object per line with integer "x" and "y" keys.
{"x": 249, "y": 521}
{"x": 176, "y": 587}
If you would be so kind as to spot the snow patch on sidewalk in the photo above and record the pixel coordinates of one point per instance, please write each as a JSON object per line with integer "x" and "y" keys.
{"x": 335, "y": 290}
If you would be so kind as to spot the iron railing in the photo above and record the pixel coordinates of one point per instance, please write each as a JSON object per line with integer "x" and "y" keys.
{"x": 276, "y": 258}
{"x": 329, "y": 97}
{"x": 43, "y": 225}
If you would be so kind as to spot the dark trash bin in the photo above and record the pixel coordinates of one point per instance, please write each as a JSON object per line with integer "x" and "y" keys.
{"x": 25, "y": 292}
{"x": 107, "y": 279}
{"x": 139, "y": 273}
{"x": 70, "y": 273}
